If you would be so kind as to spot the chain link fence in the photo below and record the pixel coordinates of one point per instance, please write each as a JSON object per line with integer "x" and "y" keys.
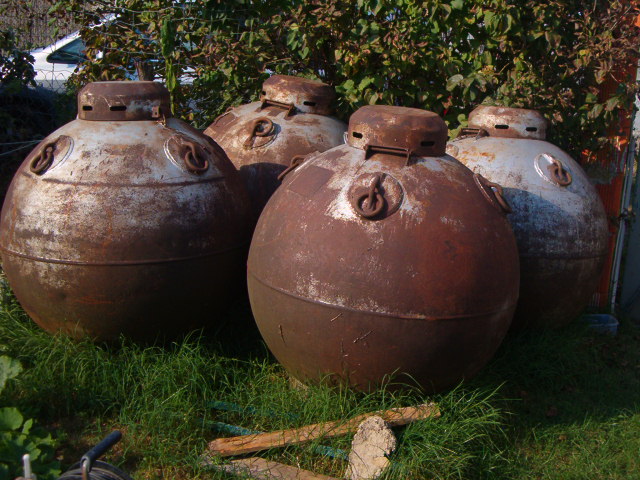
{"x": 127, "y": 40}
{"x": 32, "y": 23}
{"x": 33, "y": 100}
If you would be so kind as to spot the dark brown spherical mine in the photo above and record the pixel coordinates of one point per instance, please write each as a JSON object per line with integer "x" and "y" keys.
{"x": 383, "y": 258}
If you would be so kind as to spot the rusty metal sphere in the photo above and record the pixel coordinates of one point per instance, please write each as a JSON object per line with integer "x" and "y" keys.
{"x": 558, "y": 218}
{"x": 267, "y": 139}
{"x": 383, "y": 257}
{"x": 124, "y": 221}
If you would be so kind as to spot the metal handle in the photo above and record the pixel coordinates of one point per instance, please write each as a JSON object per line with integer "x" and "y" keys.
{"x": 368, "y": 149}
{"x": 295, "y": 163}
{"x": 375, "y": 201}
{"x": 497, "y": 192}
{"x": 257, "y": 129}
{"x": 473, "y": 132}
{"x": 558, "y": 173}
{"x": 289, "y": 107}
{"x": 192, "y": 158}
{"x": 43, "y": 160}
{"x": 97, "y": 451}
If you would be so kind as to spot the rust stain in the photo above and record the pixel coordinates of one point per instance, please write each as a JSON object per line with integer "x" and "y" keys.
{"x": 264, "y": 139}
{"x": 111, "y": 237}
{"x": 558, "y": 219}
{"x": 430, "y": 281}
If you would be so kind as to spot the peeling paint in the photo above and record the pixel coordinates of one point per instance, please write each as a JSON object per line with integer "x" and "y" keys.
{"x": 295, "y": 115}
{"x": 122, "y": 237}
{"x": 561, "y": 230}
{"x": 432, "y": 284}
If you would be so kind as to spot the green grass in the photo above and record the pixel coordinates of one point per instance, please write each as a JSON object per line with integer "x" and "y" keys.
{"x": 554, "y": 405}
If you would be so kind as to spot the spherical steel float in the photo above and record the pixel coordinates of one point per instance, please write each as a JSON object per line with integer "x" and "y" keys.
{"x": 383, "y": 257}
{"x": 124, "y": 221}
{"x": 266, "y": 138}
{"x": 558, "y": 218}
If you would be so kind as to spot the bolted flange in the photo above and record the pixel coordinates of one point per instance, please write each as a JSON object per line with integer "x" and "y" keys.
{"x": 509, "y": 122}
{"x": 307, "y": 96}
{"x": 409, "y": 131}
{"x": 123, "y": 101}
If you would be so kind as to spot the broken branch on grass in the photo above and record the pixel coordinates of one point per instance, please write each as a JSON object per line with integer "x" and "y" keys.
{"x": 254, "y": 443}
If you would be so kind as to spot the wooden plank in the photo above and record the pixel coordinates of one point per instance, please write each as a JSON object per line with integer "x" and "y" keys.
{"x": 254, "y": 443}
{"x": 321, "y": 449}
{"x": 259, "y": 468}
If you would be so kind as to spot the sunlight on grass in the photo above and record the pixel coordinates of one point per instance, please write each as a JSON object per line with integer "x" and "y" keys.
{"x": 551, "y": 405}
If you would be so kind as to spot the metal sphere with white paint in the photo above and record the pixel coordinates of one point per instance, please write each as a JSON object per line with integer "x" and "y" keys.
{"x": 384, "y": 257}
{"x": 124, "y": 221}
{"x": 265, "y": 138}
{"x": 558, "y": 218}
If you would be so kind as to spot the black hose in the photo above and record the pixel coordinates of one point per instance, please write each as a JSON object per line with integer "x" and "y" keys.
{"x": 99, "y": 471}
{"x": 92, "y": 467}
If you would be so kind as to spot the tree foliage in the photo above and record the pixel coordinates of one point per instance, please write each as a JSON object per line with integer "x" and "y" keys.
{"x": 444, "y": 56}
{"x": 16, "y": 69}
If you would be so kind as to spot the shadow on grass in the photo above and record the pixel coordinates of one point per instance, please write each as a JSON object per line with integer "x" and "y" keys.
{"x": 570, "y": 384}
{"x": 568, "y": 375}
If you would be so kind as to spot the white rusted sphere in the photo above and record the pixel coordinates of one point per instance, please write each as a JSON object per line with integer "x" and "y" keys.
{"x": 558, "y": 218}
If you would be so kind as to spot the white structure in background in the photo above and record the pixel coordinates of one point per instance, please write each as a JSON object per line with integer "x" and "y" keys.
{"x": 55, "y": 63}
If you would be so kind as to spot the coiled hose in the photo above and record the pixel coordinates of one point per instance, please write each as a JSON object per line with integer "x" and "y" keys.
{"x": 90, "y": 468}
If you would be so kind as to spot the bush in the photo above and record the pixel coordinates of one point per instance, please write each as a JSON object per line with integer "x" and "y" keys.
{"x": 18, "y": 435}
{"x": 447, "y": 57}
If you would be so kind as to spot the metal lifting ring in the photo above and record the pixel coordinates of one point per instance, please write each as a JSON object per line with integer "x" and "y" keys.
{"x": 559, "y": 174}
{"x": 256, "y": 131}
{"x": 373, "y": 196}
{"x": 191, "y": 158}
{"x": 44, "y": 159}
{"x": 497, "y": 191}
{"x": 358, "y": 205}
{"x": 295, "y": 163}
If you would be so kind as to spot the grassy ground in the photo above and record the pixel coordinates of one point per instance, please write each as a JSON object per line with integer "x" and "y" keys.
{"x": 557, "y": 405}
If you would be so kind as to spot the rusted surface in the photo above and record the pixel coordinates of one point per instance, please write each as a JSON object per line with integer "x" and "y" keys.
{"x": 262, "y": 139}
{"x": 415, "y": 132}
{"x": 307, "y": 96}
{"x": 426, "y": 289}
{"x": 508, "y": 122}
{"x": 123, "y": 101}
{"x": 558, "y": 220}
{"x": 135, "y": 228}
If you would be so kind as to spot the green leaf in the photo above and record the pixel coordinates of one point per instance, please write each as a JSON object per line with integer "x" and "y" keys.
{"x": 167, "y": 37}
{"x": 26, "y": 428}
{"x": 488, "y": 18}
{"x": 10, "y": 418}
{"x": 348, "y": 85}
{"x": 596, "y": 110}
{"x": 9, "y": 368}
{"x": 611, "y": 104}
{"x": 365, "y": 82}
{"x": 553, "y": 39}
{"x": 454, "y": 81}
